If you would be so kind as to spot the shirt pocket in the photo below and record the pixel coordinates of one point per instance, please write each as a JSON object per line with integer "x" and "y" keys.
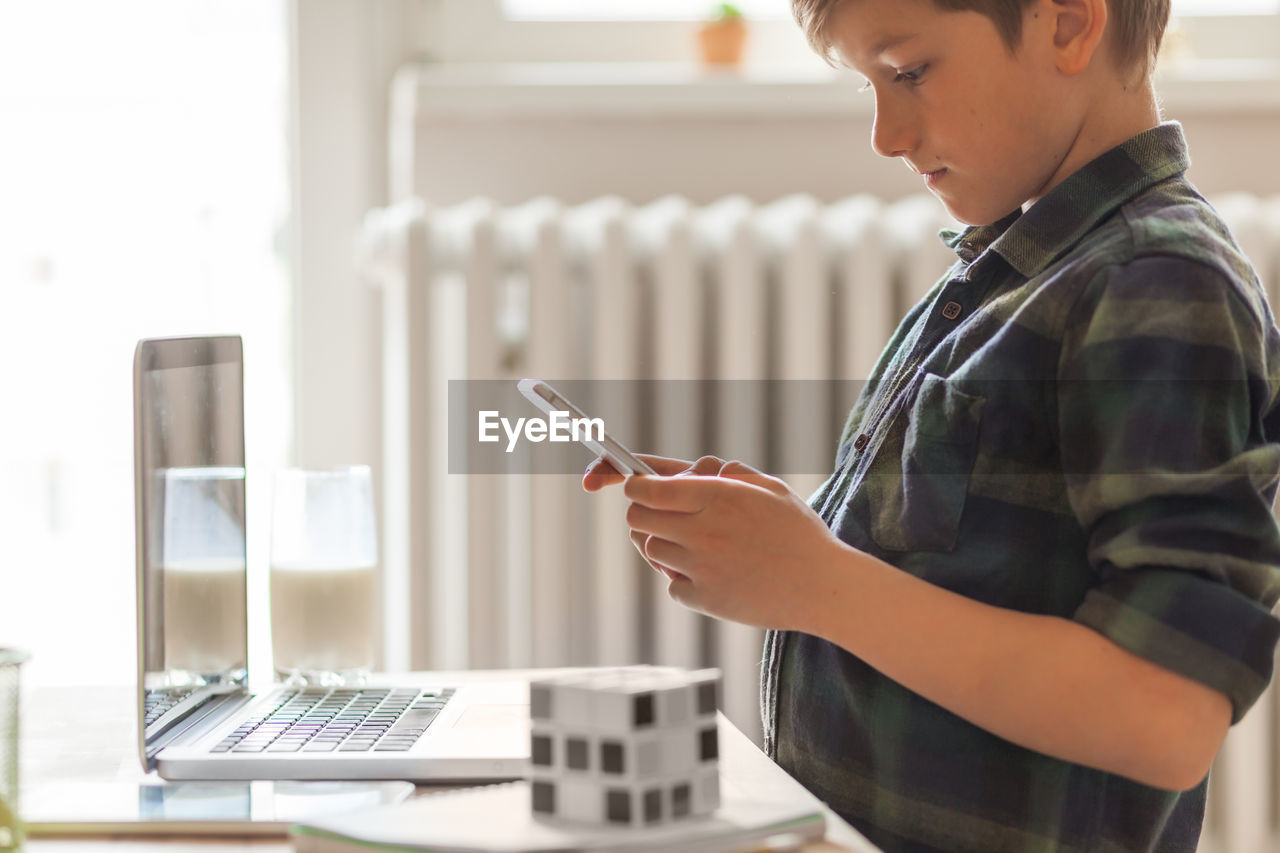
{"x": 918, "y": 506}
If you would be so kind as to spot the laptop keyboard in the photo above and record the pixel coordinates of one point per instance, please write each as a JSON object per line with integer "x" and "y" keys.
{"x": 157, "y": 702}
{"x": 339, "y": 720}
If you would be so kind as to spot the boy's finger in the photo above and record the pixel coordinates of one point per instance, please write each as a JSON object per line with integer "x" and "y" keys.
{"x": 671, "y": 526}
{"x": 736, "y": 470}
{"x": 706, "y": 466}
{"x": 641, "y": 541}
{"x": 674, "y": 494}
{"x": 686, "y": 493}
{"x": 600, "y": 474}
{"x": 668, "y": 556}
{"x": 666, "y": 466}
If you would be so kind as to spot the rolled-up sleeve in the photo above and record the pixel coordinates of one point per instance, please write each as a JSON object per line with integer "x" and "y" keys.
{"x": 1166, "y": 396}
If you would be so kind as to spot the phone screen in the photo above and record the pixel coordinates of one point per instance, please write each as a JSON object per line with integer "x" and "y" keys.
{"x": 549, "y": 400}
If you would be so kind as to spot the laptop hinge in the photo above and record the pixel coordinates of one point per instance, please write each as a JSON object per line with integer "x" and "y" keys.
{"x": 216, "y": 704}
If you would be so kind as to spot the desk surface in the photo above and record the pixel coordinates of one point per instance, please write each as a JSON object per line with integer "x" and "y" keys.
{"x": 88, "y": 734}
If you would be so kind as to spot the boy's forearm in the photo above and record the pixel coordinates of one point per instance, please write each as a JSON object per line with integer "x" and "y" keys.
{"x": 1043, "y": 682}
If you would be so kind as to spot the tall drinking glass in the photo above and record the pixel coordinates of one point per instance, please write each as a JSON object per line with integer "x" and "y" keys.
{"x": 202, "y": 572}
{"x": 324, "y": 557}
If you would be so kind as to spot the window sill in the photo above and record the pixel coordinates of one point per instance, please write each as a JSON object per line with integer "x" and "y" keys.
{"x": 648, "y": 90}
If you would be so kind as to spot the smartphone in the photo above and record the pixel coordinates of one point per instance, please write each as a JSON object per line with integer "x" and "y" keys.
{"x": 549, "y": 400}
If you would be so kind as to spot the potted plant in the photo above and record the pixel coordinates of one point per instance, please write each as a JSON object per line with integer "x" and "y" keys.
{"x": 722, "y": 37}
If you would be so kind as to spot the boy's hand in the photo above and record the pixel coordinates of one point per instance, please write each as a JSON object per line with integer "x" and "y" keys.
{"x": 600, "y": 473}
{"x": 736, "y": 543}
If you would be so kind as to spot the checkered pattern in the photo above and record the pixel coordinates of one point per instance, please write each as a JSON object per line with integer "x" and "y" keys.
{"x": 635, "y": 747}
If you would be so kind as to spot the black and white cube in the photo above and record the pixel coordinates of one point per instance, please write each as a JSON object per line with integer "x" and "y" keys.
{"x": 634, "y": 746}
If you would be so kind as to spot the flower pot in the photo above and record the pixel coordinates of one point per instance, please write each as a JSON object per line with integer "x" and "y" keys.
{"x": 721, "y": 42}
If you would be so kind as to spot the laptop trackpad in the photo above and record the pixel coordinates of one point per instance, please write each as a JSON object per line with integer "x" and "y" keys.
{"x": 492, "y": 717}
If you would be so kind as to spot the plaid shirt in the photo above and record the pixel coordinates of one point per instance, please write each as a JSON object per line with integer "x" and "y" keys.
{"x": 1079, "y": 420}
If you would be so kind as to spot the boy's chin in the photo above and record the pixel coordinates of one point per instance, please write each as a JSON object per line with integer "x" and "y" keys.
{"x": 969, "y": 212}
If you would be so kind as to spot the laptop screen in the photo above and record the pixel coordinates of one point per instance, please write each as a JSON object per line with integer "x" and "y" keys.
{"x": 190, "y": 503}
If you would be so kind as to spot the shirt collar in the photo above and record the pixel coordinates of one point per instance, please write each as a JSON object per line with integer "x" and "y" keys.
{"x": 1030, "y": 242}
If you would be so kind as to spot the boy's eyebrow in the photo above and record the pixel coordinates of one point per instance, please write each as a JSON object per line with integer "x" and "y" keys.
{"x": 890, "y": 42}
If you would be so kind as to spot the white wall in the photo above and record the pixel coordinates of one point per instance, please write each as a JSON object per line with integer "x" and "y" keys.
{"x": 344, "y": 54}
{"x": 507, "y": 151}
{"x": 761, "y": 157}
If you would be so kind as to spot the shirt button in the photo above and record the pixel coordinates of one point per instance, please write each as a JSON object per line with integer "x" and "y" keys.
{"x": 861, "y": 441}
{"x": 951, "y": 310}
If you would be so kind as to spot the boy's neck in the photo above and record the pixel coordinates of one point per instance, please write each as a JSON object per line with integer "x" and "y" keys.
{"x": 1111, "y": 120}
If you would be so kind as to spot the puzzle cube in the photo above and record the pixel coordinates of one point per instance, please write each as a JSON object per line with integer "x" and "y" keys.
{"x": 634, "y": 746}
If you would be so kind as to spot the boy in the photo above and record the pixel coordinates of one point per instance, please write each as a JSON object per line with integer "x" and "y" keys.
{"x": 1036, "y": 591}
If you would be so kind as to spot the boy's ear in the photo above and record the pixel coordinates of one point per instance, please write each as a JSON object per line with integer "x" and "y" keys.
{"x": 1080, "y": 25}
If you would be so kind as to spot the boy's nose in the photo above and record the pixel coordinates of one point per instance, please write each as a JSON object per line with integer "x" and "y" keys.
{"x": 892, "y": 134}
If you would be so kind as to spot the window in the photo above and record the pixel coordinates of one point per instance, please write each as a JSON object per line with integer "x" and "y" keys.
{"x": 633, "y": 10}
{"x": 676, "y": 10}
{"x": 145, "y": 192}
{"x": 639, "y": 31}
{"x": 1225, "y": 7}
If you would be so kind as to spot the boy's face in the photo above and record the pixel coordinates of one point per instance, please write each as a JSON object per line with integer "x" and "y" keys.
{"x": 987, "y": 130}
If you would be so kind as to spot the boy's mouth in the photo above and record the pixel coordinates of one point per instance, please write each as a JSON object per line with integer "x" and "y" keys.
{"x": 931, "y": 178}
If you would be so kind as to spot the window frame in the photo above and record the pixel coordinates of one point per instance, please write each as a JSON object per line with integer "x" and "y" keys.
{"x": 478, "y": 31}
{"x": 778, "y": 10}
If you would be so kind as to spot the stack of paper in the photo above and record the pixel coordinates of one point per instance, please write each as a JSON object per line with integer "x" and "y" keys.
{"x": 499, "y": 818}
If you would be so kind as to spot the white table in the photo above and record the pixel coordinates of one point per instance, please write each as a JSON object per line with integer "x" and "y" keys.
{"x": 88, "y": 734}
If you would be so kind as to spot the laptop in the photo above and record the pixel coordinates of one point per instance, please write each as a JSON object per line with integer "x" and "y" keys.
{"x": 198, "y": 719}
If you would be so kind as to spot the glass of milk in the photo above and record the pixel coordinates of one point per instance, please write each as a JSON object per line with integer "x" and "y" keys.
{"x": 324, "y": 557}
{"x": 202, "y": 572}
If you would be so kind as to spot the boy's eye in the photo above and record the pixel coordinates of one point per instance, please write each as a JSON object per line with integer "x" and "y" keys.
{"x": 913, "y": 76}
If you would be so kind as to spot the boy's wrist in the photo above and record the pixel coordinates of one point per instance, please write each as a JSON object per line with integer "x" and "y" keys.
{"x": 838, "y": 569}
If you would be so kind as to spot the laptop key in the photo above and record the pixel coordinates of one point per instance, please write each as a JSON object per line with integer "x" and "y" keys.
{"x": 417, "y": 719}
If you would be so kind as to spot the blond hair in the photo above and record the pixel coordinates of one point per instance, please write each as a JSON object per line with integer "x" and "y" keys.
{"x": 1137, "y": 26}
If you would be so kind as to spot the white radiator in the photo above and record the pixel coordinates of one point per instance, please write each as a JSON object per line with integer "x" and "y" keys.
{"x": 526, "y": 569}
